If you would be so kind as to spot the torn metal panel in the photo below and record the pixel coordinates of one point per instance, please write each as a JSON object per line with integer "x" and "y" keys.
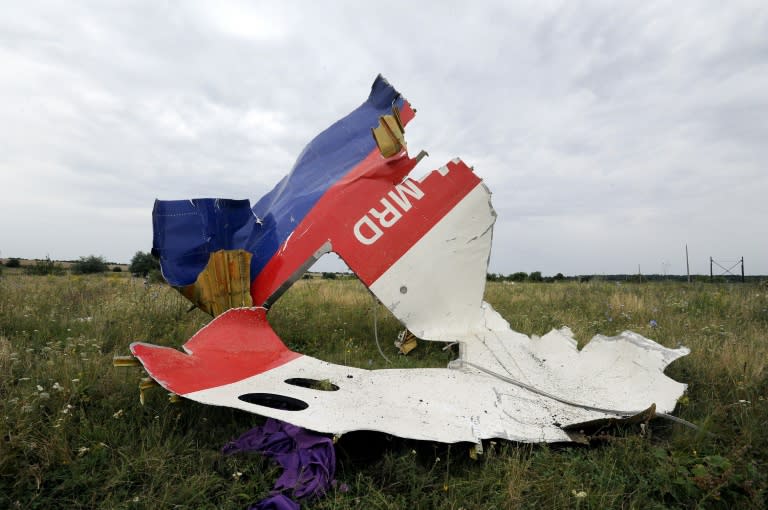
{"x": 187, "y": 231}
{"x": 237, "y": 361}
{"x": 422, "y": 247}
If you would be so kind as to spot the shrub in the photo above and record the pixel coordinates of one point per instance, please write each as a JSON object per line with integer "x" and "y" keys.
{"x": 13, "y": 262}
{"x": 329, "y": 276}
{"x": 142, "y": 263}
{"x": 90, "y": 265}
{"x": 117, "y": 269}
{"x": 518, "y": 277}
{"x": 44, "y": 267}
{"x": 155, "y": 276}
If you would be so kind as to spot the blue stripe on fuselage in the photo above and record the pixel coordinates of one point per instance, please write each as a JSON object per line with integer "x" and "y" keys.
{"x": 187, "y": 231}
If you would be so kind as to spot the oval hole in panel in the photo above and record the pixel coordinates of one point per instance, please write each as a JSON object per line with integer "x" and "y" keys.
{"x": 273, "y": 401}
{"x": 312, "y": 384}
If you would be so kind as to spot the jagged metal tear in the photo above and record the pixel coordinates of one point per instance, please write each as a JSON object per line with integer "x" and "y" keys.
{"x": 435, "y": 289}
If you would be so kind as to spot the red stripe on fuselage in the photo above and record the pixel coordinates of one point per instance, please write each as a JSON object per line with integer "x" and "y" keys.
{"x": 356, "y": 196}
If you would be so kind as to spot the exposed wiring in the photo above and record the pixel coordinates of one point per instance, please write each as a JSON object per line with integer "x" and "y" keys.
{"x": 376, "y": 330}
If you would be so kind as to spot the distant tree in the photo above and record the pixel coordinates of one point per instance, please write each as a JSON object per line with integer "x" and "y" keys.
{"x": 518, "y": 277}
{"x": 90, "y": 265}
{"x": 559, "y": 276}
{"x": 329, "y": 276}
{"x": 142, "y": 263}
{"x": 492, "y": 277}
{"x": 535, "y": 276}
{"x": 13, "y": 262}
{"x": 117, "y": 269}
{"x": 44, "y": 267}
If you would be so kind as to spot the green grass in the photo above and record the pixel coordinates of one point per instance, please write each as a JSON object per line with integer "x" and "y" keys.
{"x": 73, "y": 434}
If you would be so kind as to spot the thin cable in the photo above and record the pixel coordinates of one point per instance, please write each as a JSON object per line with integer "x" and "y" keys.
{"x": 376, "y": 330}
{"x": 568, "y": 402}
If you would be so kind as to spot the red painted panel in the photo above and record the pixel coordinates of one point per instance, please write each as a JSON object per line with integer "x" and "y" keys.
{"x": 345, "y": 204}
{"x": 237, "y": 344}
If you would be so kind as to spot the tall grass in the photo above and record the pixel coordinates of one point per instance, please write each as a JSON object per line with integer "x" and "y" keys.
{"x": 73, "y": 434}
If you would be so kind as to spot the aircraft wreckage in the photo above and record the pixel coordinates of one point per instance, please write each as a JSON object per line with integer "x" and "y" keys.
{"x": 422, "y": 248}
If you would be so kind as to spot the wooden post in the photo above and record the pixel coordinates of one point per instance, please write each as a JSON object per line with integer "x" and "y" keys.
{"x": 742, "y": 269}
{"x": 711, "y": 276}
{"x": 687, "y": 265}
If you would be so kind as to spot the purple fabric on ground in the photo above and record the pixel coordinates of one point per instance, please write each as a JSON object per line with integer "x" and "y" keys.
{"x": 308, "y": 459}
{"x": 276, "y": 502}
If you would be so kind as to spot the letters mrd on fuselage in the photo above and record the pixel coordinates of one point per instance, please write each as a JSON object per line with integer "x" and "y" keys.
{"x": 395, "y": 203}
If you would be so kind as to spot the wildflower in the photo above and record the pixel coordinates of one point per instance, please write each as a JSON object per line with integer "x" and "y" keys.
{"x": 39, "y": 388}
{"x": 57, "y": 386}
{"x": 67, "y": 408}
{"x": 236, "y": 475}
{"x": 44, "y": 395}
{"x": 118, "y": 414}
{"x": 82, "y": 451}
{"x": 653, "y": 323}
{"x": 579, "y": 495}
{"x": 75, "y": 381}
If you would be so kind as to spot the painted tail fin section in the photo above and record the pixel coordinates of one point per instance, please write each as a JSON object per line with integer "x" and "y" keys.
{"x": 186, "y": 232}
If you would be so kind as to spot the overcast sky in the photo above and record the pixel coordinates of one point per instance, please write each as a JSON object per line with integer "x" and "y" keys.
{"x": 611, "y": 134}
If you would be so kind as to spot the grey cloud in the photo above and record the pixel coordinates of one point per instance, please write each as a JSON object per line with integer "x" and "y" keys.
{"x": 609, "y": 133}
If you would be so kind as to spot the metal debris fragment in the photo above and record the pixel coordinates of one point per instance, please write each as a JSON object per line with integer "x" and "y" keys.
{"x": 422, "y": 247}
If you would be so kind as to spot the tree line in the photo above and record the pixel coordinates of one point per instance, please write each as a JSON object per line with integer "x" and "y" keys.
{"x": 142, "y": 264}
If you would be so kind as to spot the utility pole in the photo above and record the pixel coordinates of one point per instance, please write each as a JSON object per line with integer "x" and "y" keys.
{"x": 742, "y": 269}
{"x": 711, "y": 276}
{"x": 687, "y": 265}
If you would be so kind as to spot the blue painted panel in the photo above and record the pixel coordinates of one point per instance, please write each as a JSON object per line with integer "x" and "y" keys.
{"x": 187, "y": 231}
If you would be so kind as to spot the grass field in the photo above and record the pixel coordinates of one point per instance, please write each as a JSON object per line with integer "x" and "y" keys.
{"x": 74, "y": 435}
